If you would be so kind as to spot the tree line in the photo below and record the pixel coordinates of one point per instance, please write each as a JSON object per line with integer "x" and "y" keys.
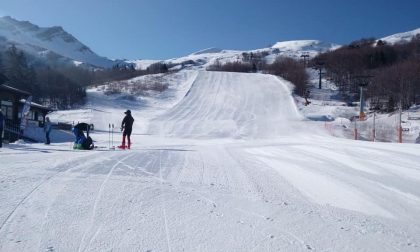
{"x": 58, "y": 85}
{"x": 392, "y": 72}
{"x": 121, "y": 72}
{"x": 288, "y": 68}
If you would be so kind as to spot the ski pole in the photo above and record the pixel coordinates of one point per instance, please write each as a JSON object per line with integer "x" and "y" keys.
{"x": 109, "y": 136}
{"x": 112, "y": 135}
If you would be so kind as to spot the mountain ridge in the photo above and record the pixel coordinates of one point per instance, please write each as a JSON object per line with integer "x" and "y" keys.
{"x": 44, "y": 42}
{"x": 40, "y": 41}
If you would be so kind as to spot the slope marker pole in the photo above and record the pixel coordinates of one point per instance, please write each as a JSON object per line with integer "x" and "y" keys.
{"x": 113, "y": 147}
{"x": 109, "y": 136}
{"x": 374, "y": 127}
{"x": 355, "y": 129}
{"x": 399, "y": 125}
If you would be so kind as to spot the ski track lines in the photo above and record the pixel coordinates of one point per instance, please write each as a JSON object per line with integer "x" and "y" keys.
{"x": 222, "y": 195}
{"x": 343, "y": 186}
{"x": 358, "y": 234}
{"x": 44, "y": 180}
{"x": 60, "y": 170}
{"x": 197, "y": 188}
{"x": 378, "y": 178}
{"x": 230, "y": 105}
{"x": 97, "y": 199}
{"x": 326, "y": 190}
{"x": 164, "y": 205}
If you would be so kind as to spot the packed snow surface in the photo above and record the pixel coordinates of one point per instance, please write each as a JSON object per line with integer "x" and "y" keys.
{"x": 220, "y": 162}
{"x": 230, "y": 105}
{"x": 401, "y": 37}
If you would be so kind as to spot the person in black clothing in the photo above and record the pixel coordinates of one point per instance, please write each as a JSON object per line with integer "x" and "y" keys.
{"x": 126, "y": 128}
{"x": 306, "y": 96}
{"x": 47, "y": 129}
{"x": 1, "y": 128}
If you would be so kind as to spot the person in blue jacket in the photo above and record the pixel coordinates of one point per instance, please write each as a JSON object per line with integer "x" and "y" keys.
{"x": 80, "y": 137}
{"x": 47, "y": 130}
{"x": 82, "y": 142}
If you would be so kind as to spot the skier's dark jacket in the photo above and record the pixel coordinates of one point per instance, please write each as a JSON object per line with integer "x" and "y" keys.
{"x": 1, "y": 121}
{"x": 127, "y": 123}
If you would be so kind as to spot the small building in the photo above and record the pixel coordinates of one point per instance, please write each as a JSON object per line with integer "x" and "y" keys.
{"x": 37, "y": 112}
{"x": 12, "y": 101}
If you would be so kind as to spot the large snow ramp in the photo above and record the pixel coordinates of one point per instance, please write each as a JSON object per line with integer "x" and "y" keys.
{"x": 222, "y": 104}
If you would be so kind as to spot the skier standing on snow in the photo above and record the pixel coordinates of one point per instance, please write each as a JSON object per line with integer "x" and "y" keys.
{"x": 126, "y": 128}
{"x": 1, "y": 128}
{"x": 47, "y": 129}
{"x": 306, "y": 96}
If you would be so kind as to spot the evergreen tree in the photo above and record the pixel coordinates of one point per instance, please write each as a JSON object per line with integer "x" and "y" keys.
{"x": 18, "y": 72}
{"x": 2, "y": 75}
{"x": 1, "y": 63}
{"x": 58, "y": 86}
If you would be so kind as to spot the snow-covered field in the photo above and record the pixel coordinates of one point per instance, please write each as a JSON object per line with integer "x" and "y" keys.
{"x": 220, "y": 162}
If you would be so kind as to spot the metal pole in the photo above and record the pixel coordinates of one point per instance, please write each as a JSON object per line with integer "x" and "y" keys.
{"x": 355, "y": 129}
{"x": 361, "y": 113}
{"x": 400, "y": 126}
{"x": 112, "y": 135}
{"x": 305, "y": 57}
{"x": 320, "y": 79}
{"x": 374, "y": 127}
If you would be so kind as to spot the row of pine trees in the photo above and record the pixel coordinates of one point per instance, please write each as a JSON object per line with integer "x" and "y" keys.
{"x": 392, "y": 72}
{"x": 58, "y": 87}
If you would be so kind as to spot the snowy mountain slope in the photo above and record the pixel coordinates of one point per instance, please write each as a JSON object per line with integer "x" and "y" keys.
{"x": 304, "y": 45}
{"x": 55, "y": 42}
{"x": 401, "y": 37}
{"x": 299, "y": 190}
{"x": 42, "y": 41}
{"x": 230, "y": 105}
{"x": 293, "y": 48}
{"x": 142, "y": 64}
{"x": 206, "y": 57}
{"x": 197, "y": 60}
{"x": 208, "y": 50}
{"x": 102, "y": 109}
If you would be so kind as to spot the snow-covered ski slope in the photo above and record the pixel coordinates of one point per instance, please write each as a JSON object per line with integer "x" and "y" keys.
{"x": 278, "y": 185}
{"x": 233, "y": 105}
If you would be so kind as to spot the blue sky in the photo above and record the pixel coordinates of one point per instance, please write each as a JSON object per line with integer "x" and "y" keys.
{"x": 162, "y": 29}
